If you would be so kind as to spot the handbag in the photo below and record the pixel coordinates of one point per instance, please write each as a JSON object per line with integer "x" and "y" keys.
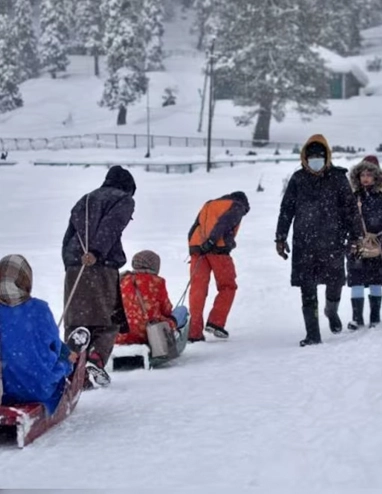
{"x": 160, "y": 336}
{"x": 371, "y": 245}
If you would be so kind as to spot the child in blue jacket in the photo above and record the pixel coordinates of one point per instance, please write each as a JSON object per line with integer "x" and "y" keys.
{"x": 34, "y": 362}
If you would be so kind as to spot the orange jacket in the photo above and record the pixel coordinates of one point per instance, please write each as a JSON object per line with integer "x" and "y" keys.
{"x": 218, "y": 221}
{"x": 158, "y": 306}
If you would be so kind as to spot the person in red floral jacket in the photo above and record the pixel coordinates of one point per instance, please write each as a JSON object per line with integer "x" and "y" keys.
{"x": 144, "y": 277}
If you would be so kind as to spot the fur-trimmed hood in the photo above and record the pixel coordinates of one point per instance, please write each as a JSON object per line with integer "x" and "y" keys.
{"x": 356, "y": 171}
{"x": 321, "y": 140}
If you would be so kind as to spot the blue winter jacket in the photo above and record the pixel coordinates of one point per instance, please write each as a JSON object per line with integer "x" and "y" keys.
{"x": 34, "y": 360}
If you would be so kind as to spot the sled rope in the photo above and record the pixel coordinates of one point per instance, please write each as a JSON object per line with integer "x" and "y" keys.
{"x": 183, "y": 296}
{"x": 85, "y": 248}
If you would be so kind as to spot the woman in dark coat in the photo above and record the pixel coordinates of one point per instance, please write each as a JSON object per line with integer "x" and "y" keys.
{"x": 366, "y": 180}
{"x": 320, "y": 202}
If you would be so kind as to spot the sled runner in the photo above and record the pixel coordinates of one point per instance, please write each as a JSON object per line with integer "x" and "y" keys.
{"x": 29, "y": 421}
{"x": 129, "y": 357}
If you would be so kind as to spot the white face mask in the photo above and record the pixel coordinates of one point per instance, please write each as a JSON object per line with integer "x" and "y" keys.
{"x": 316, "y": 164}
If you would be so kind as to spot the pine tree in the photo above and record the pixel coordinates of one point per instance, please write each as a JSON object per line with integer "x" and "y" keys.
{"x": 54, "y": 36}
{"x": 10, "y": 97}
{"x": 23, "y": 33}
{"x": 125, "y": 56}
{"x": 90, "y": 24}
{"x": 152, "y": 19}
{"x": 266, "y": 51}
{"x": 204, "y": 10}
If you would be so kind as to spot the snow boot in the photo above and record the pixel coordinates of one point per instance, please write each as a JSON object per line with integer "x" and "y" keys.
{"x": 217, "y": 331}
{"x": 196, "y": 340}
{"x": 357, "y": 321}
{"x": 331, "y": 312}
{"x": 312, "y": 326}
{"x": 95, "y": 368}
{"x": 375, "y": 310}
{"x": 79, "y": 340}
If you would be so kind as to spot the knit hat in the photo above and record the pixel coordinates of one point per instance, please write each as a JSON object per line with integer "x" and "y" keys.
{"x": 15, "y": 280}
{"x": 119, "y": 178}
{"x": 146, "y": 261}
{"x": 371, "y": 159}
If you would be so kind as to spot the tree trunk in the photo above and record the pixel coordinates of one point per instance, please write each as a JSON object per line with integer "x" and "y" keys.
{"x": 53, "y": 74}
{"x": 96, "y": 64}
{"x": 122, "y": 112}
{"x": 261, "y": 132}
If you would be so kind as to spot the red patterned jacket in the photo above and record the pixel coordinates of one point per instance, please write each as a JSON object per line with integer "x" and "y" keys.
{"x": 158, "y": 306}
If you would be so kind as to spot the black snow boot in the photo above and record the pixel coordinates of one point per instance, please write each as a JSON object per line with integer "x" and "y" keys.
{"x": 375, "y": 310}
{"x": 357, "y": 321}
{"x": 331, "y": 312}
{"x": 312, "y": 326}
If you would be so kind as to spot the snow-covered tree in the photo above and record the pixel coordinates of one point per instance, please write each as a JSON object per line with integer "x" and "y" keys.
{"x": 54, "y": 36}
{"x": 23, "y": 33}
{"x": 10, "y": 97}
{"x": 152, "y": 23}
{"x": 204, "y": 10}
{"x": 125, "y": 57}
{"x": 90, "y": 24}
{"x": 266, "y": 53}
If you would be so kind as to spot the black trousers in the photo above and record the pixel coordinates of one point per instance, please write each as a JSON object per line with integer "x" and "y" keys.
{"x": 309, "y": 294}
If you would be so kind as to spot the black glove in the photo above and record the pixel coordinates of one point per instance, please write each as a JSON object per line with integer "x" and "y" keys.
{"x": 282, "y": 248}
{"x": 207, "y": 246}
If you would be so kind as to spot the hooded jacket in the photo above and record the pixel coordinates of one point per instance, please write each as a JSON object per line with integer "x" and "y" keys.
{"x": 110, "y": 209}
{"x": 324, "y": 214}
{"x": 219, "y": 221}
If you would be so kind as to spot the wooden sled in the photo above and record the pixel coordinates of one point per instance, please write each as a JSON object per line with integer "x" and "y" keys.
{"x": 129, "y": 357}
{"x": 27, "y": 422}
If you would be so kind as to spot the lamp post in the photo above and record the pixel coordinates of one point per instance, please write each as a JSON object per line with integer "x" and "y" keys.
{"x": 148, "y": 154}
{"x": 210, "y": 104}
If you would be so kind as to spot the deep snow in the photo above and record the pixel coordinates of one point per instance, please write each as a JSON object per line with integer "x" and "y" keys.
{"x": 256, "y": 411}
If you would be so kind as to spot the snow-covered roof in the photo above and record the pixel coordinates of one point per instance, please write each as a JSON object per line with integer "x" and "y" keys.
{"x": 342, "y": 65}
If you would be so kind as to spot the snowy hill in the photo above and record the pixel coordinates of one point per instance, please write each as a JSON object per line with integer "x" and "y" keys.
{"x": 255, "y": 413}
{"x": 73, "y": 99}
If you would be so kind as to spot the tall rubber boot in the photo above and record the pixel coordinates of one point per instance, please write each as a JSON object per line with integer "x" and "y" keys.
{"x": 331, "y": 312}
{"x": 312, "y": 326}
{"x": 375, "y": 310}
{"x": 357, "y": 321}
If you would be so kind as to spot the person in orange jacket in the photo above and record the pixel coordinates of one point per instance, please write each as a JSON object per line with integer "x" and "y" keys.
{"x": 211, "y": 240}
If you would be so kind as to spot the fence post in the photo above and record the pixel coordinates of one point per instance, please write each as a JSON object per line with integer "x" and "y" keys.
{"x": 31, "y": 143}
{"x": 190, "y": 168}
{"x": 167, "y": 168}
{"x": 223, "y": 143}
{"x": 116, "y": 140}
{"x": 186, "y": 142}
{"x": 17, "y": 144}
{"x": 170, "y": 141}
{"x": 135, "y": 140}
{"x": 152, "y": 141}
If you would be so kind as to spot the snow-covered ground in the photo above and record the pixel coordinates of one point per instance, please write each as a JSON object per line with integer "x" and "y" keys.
{"x": 255, "y": 412}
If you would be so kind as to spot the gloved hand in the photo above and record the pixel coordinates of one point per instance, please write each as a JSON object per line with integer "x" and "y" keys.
{"x": 88, "y": 259}
{"x": 207, "y": 246}
{"x": 356, "y": 248}
{"x": 180, "y": 313}
{"x": 283, "y": 249}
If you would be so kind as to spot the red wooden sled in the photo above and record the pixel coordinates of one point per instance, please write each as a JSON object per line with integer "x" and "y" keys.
{"x": 31, "y": 421}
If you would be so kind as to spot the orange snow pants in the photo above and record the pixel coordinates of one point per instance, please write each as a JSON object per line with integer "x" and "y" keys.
{"x": 223, "y": 269}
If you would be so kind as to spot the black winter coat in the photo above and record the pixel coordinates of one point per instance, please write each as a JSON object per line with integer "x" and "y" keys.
{"x": 110, "y": 210}
{"x": 367, "y": 272}
{"x": 325, "y": 215}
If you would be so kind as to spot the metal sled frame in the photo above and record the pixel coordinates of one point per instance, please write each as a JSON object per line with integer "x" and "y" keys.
{"x": 31, "y": 420}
